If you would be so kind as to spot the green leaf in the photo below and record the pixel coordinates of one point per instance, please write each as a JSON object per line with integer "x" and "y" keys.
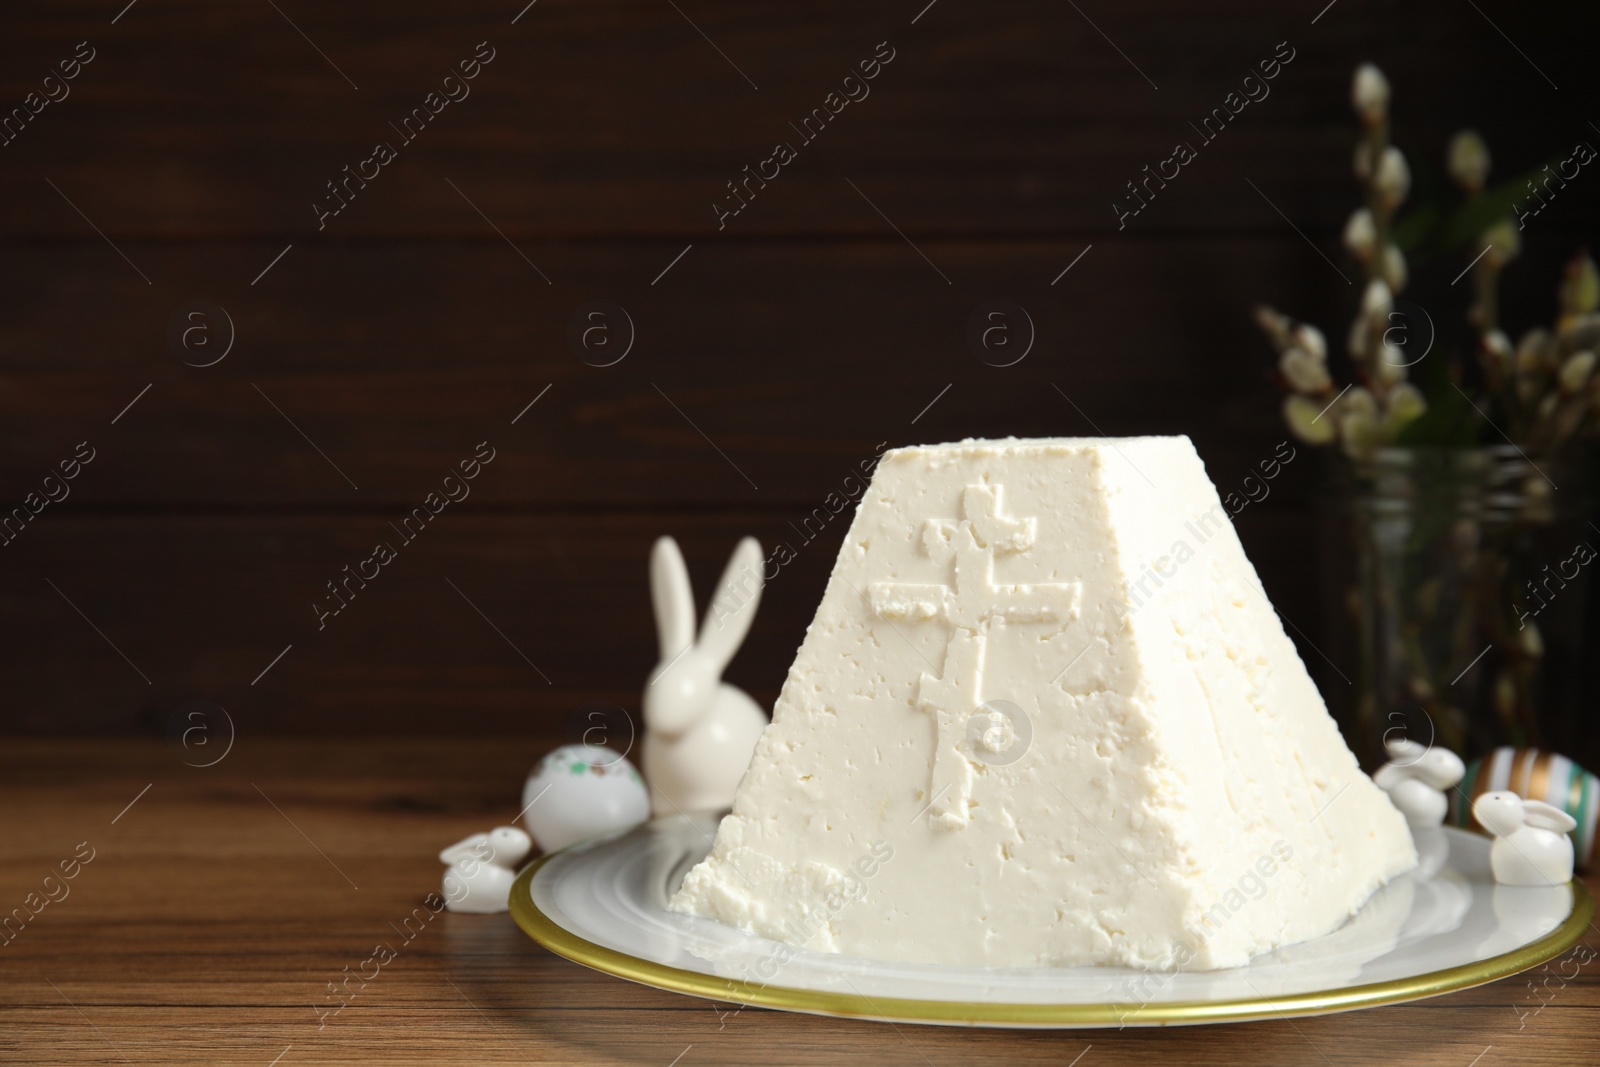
{"x": 1432, "y": 196}
{"x": 1478, "y": 214}
{"x": 1450, "y": 421}
{"x": 1413, "y": 230}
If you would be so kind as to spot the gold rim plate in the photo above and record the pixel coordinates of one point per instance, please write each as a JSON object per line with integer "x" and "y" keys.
{"x": 539, "y": 926}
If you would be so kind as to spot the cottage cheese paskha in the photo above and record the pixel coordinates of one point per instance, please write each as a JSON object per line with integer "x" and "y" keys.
{"x": 1045, "y": 682}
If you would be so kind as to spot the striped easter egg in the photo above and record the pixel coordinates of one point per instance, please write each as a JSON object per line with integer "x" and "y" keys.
{"x": 1533, "y": 775}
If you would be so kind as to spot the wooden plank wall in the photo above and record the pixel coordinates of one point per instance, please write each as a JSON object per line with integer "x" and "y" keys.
{"x": 374, "y": 348}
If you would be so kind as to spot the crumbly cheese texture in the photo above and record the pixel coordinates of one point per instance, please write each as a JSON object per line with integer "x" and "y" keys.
{"x": 1046, "y": 716}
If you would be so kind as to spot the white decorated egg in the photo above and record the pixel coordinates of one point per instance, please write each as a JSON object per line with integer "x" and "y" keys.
{"x": 582, "y": 791}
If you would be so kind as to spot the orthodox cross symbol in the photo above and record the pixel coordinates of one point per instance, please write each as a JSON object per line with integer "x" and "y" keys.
{"x": 971, "y": 607}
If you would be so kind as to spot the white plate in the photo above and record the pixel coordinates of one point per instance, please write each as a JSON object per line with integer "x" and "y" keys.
{"x": 1444, "y": 927}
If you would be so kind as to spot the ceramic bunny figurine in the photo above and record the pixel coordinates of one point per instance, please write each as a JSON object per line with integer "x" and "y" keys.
{"x": 699, "y": 732}
{"x": 1416, "y": 778}
{"x": 1531, "y": 846}
{"x": 482, "y": 868}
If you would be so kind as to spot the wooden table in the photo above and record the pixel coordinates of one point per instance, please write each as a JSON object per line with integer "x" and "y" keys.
{"x": 221, "y": 902}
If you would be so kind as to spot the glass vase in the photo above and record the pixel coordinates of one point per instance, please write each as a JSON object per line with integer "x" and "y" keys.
{"x": 1472, "y": 590}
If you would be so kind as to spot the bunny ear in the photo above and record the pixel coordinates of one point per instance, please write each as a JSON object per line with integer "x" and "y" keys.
{"x": 672, "y": 597}
{"x": 1404, "y": 750}
{"x": 733, "y": 607}
{"x": 1548, "y": 817}
{"x": 513, "y": 844}
{"x": 463, "y": 849}
{"x": 1442, "y": 768}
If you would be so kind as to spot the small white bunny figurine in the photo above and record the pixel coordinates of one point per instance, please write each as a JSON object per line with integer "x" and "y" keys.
{"x": 1416, "y": 778}
{"x": 1531, "y": 846}
{"x": 482, "y": 868}
{"x": 699, "y": 731}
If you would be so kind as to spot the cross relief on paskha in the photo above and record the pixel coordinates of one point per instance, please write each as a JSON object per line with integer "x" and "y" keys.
{"x": 972, "y": 605}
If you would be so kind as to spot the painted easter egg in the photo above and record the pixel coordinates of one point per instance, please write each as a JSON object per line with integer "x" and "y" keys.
{"x": 1533, "y": 774}
{"x": 582, "y": 791}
